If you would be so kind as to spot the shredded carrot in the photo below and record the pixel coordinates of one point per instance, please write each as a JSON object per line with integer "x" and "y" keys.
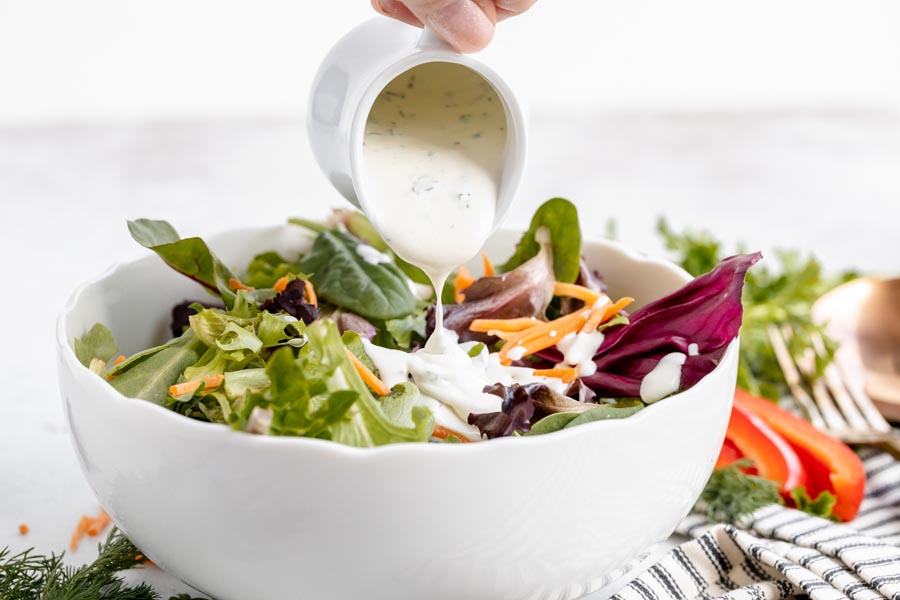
{"x": 210, "y": 383}
{"x": 570, "y": 290}
{"x": 462, "y": 281}
{"x": 614, "y": 309}
{"x": 377, "y": 385}
{"x": 567, "y": 374}
{"x": 281, "y": 284}
{"x": 23, "y": 529}
{"x": 488, "y": 265}
{"x": 544, "y": 335}
{"x": 91, "y": 526}
{"x": 442, "y": 433}
{"x": 504, "y": 335}
{"x": 235, "y": 285}
{"x": 310, "y": 292}
{"x": 519, "y": 324}
{"x": 594, "y": 319}
{"x": 119, "y": 360}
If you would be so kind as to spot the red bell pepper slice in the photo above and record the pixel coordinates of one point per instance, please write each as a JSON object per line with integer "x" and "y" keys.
{"x": 771, "y": 455}
{"x": 728, "y": 454}
{"x": 830, "y": 464}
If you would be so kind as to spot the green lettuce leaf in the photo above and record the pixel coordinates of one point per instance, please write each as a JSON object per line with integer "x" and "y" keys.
{"x": 96, "y": 343}
{"x": 560, "y": 217}
{"x": 190, "y": 256}
{"x": 149, "y": 375}
{"x": 318, "y": 393}
{"x": 344, "y": 278}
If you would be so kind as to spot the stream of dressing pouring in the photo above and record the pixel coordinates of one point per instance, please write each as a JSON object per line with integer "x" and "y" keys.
{"x": 434, "y": 146}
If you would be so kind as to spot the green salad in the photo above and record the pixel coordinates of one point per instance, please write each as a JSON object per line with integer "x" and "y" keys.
{"x": 330, "y": 344}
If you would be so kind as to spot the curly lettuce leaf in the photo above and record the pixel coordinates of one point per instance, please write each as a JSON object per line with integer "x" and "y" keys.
{"x": 318, "y": 393}
{"x": 560, "y": 218}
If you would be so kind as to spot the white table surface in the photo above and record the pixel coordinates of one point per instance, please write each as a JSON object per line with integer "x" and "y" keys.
{"x": 824, "y": 181}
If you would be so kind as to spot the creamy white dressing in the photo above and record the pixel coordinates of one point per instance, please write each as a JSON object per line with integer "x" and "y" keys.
{"x": 578, "y": 350}
{"x": 664, "y": 379}
{"x": 452, "y": 385}
{"x": 373, "y": 256}
{"x": 433, "y": 148}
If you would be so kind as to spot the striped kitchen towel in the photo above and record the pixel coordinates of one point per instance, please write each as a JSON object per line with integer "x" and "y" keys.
{"x": 778, "y": 552}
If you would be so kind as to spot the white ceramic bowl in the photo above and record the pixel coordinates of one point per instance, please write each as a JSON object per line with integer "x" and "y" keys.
{"x": 243, "y": 517}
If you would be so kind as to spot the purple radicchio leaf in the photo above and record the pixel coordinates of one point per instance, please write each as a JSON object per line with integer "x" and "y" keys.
{"x": 707, "y": 312}
{"x": 348, "y": 321}
{"x": 515, "y": 412}
{"x": 293, "y": 301}
{"x": 523, "y": 292}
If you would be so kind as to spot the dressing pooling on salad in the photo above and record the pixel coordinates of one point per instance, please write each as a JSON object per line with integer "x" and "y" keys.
{"x": 433, "y": 154}
{"x": 335, "y": 344}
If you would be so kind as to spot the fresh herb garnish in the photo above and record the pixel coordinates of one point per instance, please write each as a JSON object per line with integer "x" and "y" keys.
{"x": 730, "y": 493}
{"x": 26, "y": 575}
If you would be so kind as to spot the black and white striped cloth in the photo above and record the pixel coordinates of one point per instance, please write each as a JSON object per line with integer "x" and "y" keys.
{"x": 778, "y": 552}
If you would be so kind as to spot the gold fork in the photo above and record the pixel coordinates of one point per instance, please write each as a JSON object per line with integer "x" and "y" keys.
{"x": 836, "y": 402}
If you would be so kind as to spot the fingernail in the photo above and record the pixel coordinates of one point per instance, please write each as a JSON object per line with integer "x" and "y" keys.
{"x": 463, "y": 25}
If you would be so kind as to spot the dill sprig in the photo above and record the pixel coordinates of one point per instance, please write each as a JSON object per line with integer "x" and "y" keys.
{"x": 31, "y": 576}
{"x": 731, "y": 493}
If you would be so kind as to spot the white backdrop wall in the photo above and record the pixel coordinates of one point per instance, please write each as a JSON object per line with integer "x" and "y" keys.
{"x": 117, "y": 59}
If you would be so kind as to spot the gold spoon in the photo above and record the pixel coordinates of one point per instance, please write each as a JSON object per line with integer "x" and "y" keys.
{"x": 863, "y": 315}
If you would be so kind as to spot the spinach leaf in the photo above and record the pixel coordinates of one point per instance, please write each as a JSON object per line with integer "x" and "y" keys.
{"x": 359, "y": 225}
{"x": 149, "y": 374}
{"x": 604, "y": 413}
{"x": 190, "y": 256}
{"x": 554, "y": 422}
{"x": 560, "y": 217}
{"x": 344, "y": 278}
{"x": 565, "y": 420}
{"x": 96, "y": 343}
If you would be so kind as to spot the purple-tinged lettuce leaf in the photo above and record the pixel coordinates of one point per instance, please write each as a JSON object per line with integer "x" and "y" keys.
{"x": 515, "y": 413}
{"x": 181, "y": 314}
{"x": 707, "y": 312}
{"x": 523, "y": 292}
{"x": 348, "y": 321}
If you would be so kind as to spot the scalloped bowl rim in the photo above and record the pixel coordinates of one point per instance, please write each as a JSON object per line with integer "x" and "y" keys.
{"x": 110, "y": 394}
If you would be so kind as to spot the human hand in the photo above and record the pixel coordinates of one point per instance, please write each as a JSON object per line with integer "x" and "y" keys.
{"x": 467, "y": 25}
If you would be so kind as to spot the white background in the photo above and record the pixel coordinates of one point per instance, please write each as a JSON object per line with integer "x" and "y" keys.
{"x": 71, "y": 59}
